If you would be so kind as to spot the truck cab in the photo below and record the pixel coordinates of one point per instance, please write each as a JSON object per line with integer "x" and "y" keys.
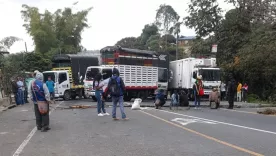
{"x": 210, "y": 78}
{"x": 90, "y": 74}
{"x": 62, "y": 83}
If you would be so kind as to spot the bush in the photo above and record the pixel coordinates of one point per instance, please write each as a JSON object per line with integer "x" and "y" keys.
{"x": 253, "y": 98}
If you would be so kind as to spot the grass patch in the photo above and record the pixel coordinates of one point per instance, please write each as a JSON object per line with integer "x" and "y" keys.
{"x": 268, "y": 111}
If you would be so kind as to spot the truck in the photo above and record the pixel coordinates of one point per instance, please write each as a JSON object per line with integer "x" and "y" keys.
{"x": 185, "y": 72}
{"x": 144, "y": 72}
{"x": 68, "y": 73}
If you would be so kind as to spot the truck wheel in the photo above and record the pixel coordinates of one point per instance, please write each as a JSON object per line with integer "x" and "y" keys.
{"x": 80, "y": 94}
{"x": 94, "y": 98}
{"x": 66, "y": 95}
{"x": 84, "y": 96}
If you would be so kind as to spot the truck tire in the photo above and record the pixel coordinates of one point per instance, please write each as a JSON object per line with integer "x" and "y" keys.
{"x": 80, "y": 94}
{"x": 94, "y": 98}
{"x": 66, "y": 95}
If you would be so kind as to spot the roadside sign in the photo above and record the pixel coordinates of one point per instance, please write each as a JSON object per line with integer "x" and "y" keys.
{"x": 214, "y": 48}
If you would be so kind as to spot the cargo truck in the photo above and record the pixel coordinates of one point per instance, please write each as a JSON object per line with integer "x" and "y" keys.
{"x": 185, "y": 72}
{"x": 68, "y": 73}
{"x": 144, "y": 72}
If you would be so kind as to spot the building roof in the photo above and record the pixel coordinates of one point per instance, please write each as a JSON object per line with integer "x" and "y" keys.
{"x": 187, "y": 38}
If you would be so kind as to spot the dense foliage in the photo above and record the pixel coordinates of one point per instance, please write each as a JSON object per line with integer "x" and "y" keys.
{"x": 245, "y": 38}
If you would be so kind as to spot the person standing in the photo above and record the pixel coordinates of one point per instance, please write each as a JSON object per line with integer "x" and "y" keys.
{"x": 198, "y": 86}
{"x": 38, "y": 91}
{"x": 116, "y": 88}
{"x": 174, "y": 100}
{"x": 239, "y": 92}
{"x": 50, "y": 85}
{"x": 222, "y": 91}
{"x": 14, "y": 90}
{"x": 98, "y": 87}
{"x": 231, "y": 88}
{"x": 244, "y": 92}
{"x": 20, "y": 92}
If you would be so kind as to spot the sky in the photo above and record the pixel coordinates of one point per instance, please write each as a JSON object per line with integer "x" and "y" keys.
{"x": 109, "y": 20}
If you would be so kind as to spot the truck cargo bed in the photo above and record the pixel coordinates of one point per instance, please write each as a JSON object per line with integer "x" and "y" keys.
{"x": 138, "y": 77}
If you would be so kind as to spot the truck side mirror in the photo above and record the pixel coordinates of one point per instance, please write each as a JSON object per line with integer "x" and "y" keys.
{"x": 171, "y": 74}
{"x": 194, "y": 75}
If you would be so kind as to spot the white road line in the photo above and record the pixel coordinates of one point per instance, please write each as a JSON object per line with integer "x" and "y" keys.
{"x": 225, "y": 123}
{"x": 28, "y": 138}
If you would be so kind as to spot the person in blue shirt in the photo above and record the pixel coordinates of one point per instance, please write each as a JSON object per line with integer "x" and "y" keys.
{"x": 50, "y": 85}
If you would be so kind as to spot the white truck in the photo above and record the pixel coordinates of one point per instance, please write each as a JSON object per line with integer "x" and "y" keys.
{"x": 144, "y": 72}
{"x": 185, "y": 72}
{"x": 139, "y": 81}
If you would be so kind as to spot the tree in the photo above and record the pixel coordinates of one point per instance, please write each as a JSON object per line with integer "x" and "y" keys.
{"x": 166, "y": 17}
{"x": 202, "y": 46}
{"x": 128, "y": 42}
{"x": 148, "y": 31}
{"x": 58, "y": 31}
{"x": 7, "y": 42}
{"x": 204, "y": 16}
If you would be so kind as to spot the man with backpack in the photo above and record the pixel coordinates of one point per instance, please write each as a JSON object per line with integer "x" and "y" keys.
{"x": 116, "y": 88}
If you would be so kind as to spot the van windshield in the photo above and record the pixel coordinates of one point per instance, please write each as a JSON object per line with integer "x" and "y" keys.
{"x": 91, "y": 73}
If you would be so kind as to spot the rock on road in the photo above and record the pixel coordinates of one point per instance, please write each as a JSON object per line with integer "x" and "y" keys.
{"x": 150, "y": 132}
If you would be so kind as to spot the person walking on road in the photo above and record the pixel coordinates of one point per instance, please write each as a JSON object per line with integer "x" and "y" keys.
{"x": 20, "y": 92}
{"x": 231, "y": 89}
{"x": 50, "y": 85}
{"x": 116, "y": 88}
{"x": 198, "y": 88}
{"x": 239, "y": 92}
{"x": 39, "y": 93}
{"x": 98, "y": 87}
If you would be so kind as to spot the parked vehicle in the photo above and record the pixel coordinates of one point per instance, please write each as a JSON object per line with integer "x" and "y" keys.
{"x": 143, "y": 72}
{"x": 185, "y": 72}
{"x": 68, "y": 73}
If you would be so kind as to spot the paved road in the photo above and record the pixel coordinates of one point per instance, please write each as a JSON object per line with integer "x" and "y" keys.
{"x": 149, "y": 132}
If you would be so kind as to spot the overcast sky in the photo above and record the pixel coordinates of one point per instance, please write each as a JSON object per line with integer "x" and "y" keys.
{"x": 110, "y": 20}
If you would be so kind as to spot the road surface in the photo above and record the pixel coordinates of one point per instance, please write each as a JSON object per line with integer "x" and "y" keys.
{"x": 149, "y": 132}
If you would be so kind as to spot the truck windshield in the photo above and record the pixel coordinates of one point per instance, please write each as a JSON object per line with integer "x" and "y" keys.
{"x": 61, "y": 64}
{"x": 91, "y": 73}
{"x": 46, "y": 75}
{"x": 162, "y": 75}
{"x": 210, "y": 74}
{"x": 107, "y": 73}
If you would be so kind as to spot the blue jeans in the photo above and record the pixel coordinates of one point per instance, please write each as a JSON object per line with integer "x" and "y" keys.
{"x": 197, "y": 99}
{"x": 115, "y": 101}
{"x": 20, "y": 97}
{"x": 100, "y": 103}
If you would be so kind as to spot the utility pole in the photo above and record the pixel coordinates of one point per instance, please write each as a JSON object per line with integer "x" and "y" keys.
{"x": 26, "y": 47}
{"x": 177, "y": 52}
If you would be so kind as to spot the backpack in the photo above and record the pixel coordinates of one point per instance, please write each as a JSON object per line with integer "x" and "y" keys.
{"x": 115, "y": 86}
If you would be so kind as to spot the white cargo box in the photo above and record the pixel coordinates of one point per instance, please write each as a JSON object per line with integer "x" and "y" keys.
{"x": 138, "y": 77}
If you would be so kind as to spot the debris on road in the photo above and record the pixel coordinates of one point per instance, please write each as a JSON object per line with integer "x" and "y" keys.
{"x": 82, "y": 106}
{"x": 268, "y": 111}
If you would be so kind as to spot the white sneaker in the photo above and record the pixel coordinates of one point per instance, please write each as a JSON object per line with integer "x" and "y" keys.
{"x": 100, "y": 114}
{"x": 105, "y": 114}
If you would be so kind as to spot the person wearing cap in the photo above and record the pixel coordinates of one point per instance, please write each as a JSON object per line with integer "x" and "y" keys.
{"x": 117, "y": 94}
{"x": 214, "y": 97}
{"x": 198, "y": 85}
{"x": 39, "y": 92}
